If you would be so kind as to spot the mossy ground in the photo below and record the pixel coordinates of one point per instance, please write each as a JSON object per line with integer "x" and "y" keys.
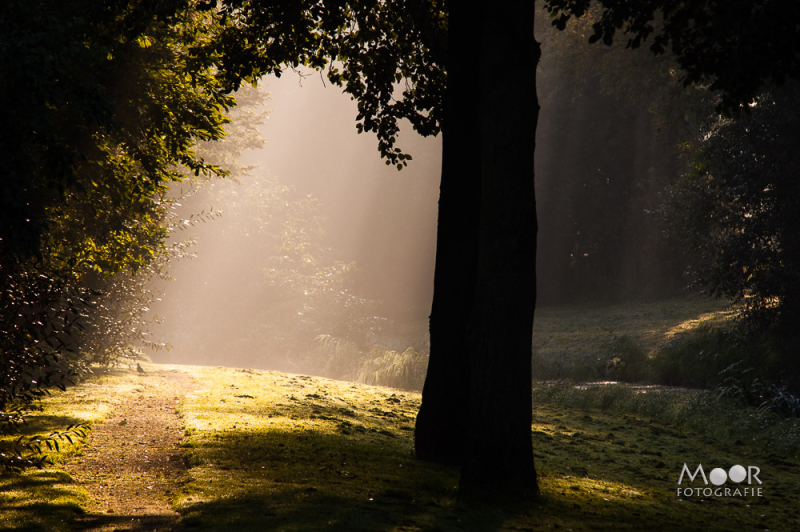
{"x": 278, "y": 452}
{"x": 271, "y": 451}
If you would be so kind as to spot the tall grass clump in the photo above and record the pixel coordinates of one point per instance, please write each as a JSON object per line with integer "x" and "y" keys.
{"x": 343, "y": 359}
{"x": 698, "y": 360}
{"x": 620, "y": 358}
{"x": 336, "y": 358}
{"x": 626, "y": 360}
{"x": 738, "y": 365}
{"x": 405, "y": 370}
{"x": 562, "y": 364}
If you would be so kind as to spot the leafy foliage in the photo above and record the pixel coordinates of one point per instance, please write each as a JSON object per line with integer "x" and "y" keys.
{"x": 37, "y": 348}
{"x": 741, "y": 385}
{"x": 378, "y": 365}
{"x": 600, "y": 235}
{"x": 698, "y": 360}
{"x": 105, "y": 104}
{"x": 107, "y": 107}
{"x": 737, "y": 207}
{"x": 387, "y": 56}
{"x": 307, "y": 289}
{"x": 37, "y": 451}
{"x": 724, "y": 45}
{"x": 627, "y": 360}
{"x": 405, "y": 370}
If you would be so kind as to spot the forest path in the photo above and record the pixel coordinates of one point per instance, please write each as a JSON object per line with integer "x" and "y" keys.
{"x": 132, "y": 462}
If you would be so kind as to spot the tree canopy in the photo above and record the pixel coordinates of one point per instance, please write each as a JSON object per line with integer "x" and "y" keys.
{"x": 106, "y": 107}
{"x": 389, "y": 57}
{"x": 734, "y": 47}
{"x": 737, "y": 206}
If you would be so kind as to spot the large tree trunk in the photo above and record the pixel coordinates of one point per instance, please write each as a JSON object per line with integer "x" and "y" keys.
{"x": 442, "y": 419}
{"x": 477, "y": 396}
{"x": 499, "y": 459}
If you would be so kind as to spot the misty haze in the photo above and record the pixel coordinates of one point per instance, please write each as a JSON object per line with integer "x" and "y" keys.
{"x": 319, "y": 237}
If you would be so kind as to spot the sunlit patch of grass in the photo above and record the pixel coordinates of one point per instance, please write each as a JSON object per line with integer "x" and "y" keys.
{"x": 608, "y": 491}
{"x": 610, "y": 471}
{"x": 299, "y": 453}
{"x": 701, "y": 412}
{"x": 716, "y": 318}
{"x": 88, "y": 402}
{"x": 270, "y": 451}
{"x": 581, "y": 328}
{"x": 48, "y": 499}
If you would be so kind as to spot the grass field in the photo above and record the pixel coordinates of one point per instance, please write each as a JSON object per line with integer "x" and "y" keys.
{"x": 585, "y": 328}
{"x": 299, "y": 453}
{"x": 273, "y": 451}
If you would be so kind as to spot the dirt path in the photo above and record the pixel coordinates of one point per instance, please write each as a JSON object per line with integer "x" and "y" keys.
{"x": 132, "y": 462}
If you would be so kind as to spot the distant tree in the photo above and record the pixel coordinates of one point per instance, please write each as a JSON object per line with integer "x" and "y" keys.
{"x": 736, "y": 49}
{"x": 625, "y": 114}
{"x": 735, "y": 203}
{"x": 499, "y": 319}
{"x": 106, "y": 108}
{"x": 476, "y": 402}
{"x": 738, "y": 206}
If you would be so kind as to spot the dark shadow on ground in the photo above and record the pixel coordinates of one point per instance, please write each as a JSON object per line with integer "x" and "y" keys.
{"x": 598, "y": 472}
{"x": 60, "y": 506}
{"x": 311, "y": 481}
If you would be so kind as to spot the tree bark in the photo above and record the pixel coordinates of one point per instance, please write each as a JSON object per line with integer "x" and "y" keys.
{"x": 499, "y": 460}
{"x": 476, "y": 406}
{"x": 443, "y": 415}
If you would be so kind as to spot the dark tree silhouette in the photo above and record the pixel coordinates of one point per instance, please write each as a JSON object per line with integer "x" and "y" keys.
{"x": 476, "y": 405}
{"x": 734, "y": 46}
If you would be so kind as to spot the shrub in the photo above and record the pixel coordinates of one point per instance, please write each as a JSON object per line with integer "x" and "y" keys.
{"x": 557, "y": 365}
{"x": 336, "y": 358}
{"x": 697, "y": 360}
{"x": 339, "y": 358}
{"x": 626, "y": 360}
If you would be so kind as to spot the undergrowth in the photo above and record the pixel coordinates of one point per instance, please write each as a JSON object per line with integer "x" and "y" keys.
{"x": 44, "y": 498}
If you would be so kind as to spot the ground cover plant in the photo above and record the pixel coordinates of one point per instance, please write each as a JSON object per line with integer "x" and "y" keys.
{"x": 272, "y": 450}
{"x": 300, "y": 453}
